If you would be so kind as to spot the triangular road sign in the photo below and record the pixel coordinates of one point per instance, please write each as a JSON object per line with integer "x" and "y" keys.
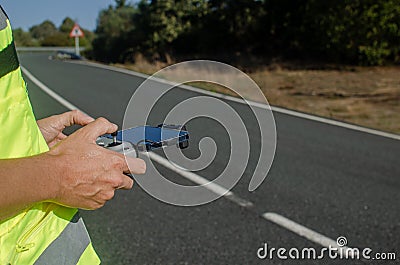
{"x": 76, "y": 32}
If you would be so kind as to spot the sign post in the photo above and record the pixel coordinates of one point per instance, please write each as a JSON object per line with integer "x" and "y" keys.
{"x": 76, "y": 33}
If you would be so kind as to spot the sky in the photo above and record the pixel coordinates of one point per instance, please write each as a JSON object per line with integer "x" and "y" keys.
{"x": 26, "y": 13}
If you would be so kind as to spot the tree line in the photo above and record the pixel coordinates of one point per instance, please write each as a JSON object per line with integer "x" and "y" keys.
{"x": 47, "y": 34}
{"x": 364, "y": 32}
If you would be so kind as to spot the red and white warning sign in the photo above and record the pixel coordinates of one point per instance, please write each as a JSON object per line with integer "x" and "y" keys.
{"x": 76, "y": 32}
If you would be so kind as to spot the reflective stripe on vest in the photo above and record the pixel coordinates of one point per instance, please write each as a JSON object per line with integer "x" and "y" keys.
{"x": 8, "y": 55}
{"x": 3, "y": 19}
{"x": 8, "y": 60}
{"x": 69, "y": 245}
{"x": 46, "y": 230}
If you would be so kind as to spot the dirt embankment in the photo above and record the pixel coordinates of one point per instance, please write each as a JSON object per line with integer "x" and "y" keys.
{"x": 366, "y": 96}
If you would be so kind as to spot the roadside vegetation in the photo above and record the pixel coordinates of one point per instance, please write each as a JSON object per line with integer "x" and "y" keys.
{"x": 360, "y": 32}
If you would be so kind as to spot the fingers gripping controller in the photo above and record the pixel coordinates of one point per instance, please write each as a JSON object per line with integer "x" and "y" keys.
{"x": 118, "y": 146}
{"x": 125, "y": 148}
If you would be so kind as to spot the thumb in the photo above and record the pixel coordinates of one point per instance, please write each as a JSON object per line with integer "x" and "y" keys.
{"x": 77, "y": 117}
{"x": 97, "y": 128}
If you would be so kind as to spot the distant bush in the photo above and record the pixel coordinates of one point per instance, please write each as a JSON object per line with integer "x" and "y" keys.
{"x": 363, "y": 31}
{"x": 23, "y": 38}
{"x": 113, "y": 31}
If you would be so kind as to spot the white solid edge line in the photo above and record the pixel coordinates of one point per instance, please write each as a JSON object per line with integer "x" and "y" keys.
{"x": 250, "y": 102}
{"x": 305, "y": 232}
{"x": 219, "y": 190}
{"x": 50, "y": 92}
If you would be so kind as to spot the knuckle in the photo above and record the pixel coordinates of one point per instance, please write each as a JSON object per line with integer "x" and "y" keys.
{"x": 101, "y": 203}
{"x": 118, "y": 162}
{"x": 103, "y": 121}
{"x": 71, "y": 115}
{"x": 130, "y": 183}
{"x": 105, "y": 196}
{"x": 109, "y": 195}
{"x": 75, "y": 112}
{"x": 96, "y": 205}
{"x": 117, "y": 182}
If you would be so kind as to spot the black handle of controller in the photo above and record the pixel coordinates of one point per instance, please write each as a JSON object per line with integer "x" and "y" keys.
{"x": 114, "y": 135}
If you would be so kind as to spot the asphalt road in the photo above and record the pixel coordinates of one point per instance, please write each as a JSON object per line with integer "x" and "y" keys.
{"x": 333, "y": 180}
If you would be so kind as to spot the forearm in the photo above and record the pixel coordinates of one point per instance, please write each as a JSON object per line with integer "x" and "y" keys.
{"x": 26, "y": 181}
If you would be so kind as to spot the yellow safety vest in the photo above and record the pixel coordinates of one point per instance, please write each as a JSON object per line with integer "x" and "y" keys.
{"x": 46, "y": 233}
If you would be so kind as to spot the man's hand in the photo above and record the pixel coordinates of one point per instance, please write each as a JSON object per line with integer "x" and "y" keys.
{"x": 52, "y": 127}
{"x": 90, "y": 174}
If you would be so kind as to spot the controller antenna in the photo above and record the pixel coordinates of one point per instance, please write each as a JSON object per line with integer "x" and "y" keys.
{"x": 114, "y": 135}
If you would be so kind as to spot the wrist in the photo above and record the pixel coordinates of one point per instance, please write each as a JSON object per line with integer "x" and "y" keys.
{"x": 55, "y": 169}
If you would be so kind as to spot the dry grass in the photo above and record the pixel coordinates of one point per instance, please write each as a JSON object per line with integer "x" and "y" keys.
{"x": 365, "y": 96}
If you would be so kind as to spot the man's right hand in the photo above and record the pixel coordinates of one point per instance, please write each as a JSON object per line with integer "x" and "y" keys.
{"x": 89, "y": 174}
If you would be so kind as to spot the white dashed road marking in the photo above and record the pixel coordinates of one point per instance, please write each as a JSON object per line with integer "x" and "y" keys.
{"x": 305, "y": 232}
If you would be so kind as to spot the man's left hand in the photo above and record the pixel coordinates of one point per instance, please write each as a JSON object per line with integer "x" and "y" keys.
{"x": 52, "y": 127}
